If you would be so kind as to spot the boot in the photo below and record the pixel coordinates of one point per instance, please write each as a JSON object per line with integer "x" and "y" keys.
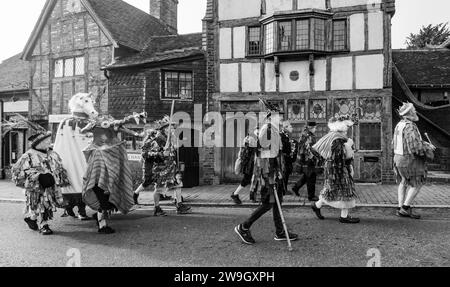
{"x": 183, "y": 209}
{"x": 136, "y": 198}
{"x": 45, "y": 230}
{"x": 159, "y": 211}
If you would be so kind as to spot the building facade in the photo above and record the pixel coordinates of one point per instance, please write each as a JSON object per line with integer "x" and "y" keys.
{"x": 72, "y": 41}
{"x": 315, "y": 59}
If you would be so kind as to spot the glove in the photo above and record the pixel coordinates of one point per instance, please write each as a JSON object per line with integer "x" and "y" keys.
{"x": 46, "y": 180}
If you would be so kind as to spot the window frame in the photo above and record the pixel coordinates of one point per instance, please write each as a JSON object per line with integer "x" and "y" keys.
{"x": 163, "y": 91}
{"x": 261, "y": 40}
{"x": 74, "y": 67}
{"x": 346, "y": 35}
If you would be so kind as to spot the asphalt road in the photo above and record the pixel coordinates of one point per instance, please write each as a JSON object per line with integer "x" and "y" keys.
{"x": 206, "y": 238}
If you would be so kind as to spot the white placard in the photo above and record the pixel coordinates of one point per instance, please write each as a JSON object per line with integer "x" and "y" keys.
{"x": 134, "y": 157}
{"x": 56, "y": 119}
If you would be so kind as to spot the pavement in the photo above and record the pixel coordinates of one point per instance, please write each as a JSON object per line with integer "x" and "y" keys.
{"x": 369, "y": 195}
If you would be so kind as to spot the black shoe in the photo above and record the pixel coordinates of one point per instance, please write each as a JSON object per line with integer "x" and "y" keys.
{"x": 183, "y": 209}
{"x": 135, "y": 198}
{"x": 295, "y": 191}
{"x": 317, "y": 211}
{"x": 159, "y": 212}
{"x": 106, "y": 230}
{"x": 314, "y": 198}
{"x": 245, "y": 235}
{"x": 32, "y": 224}
{"x": 70, "y": 212}
{"x": 408, "y": 213}
{"x": 282, "y": 237}
{"x": 349, "y": 220}
{"x": 236, "y": 199}
{"x": 45, "y": 230}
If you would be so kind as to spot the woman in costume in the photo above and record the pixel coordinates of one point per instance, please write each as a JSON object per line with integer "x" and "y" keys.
{"x": 410, "y": 154}
{"x": 339, "y": 188}
{"x": 40, "y": 172}
{"x": 165, "y": 168}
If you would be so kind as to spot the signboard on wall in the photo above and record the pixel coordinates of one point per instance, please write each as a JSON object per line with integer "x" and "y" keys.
{"x": 134, "y": 156}
{"x": 56, "y": 119}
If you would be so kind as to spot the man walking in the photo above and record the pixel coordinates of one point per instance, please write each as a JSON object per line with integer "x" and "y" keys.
{"x": 271, "y": 159}
{"x": 307, "y": 161}
{"x": 410, "y": 154}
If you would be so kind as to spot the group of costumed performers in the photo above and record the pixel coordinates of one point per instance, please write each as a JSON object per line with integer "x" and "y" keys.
{"x": 269, "y": 172}
{"x": 40, "y": 172}
{"x": 410, "y": 156}
{"x": 160, "y": 166}
{"x": 337, "y": 150}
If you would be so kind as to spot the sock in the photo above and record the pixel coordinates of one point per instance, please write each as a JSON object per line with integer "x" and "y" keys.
{"x": 344, "y": 213}
{"x": 319, "y": 203}
{"x": 43, "y": 223}
{"x": 33, "y": 217}
{"x": 101, "y": 220}
{"x": 238, "y": 190}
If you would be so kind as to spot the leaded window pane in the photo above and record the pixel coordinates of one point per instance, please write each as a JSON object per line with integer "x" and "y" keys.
{"x": 302, "y": 41}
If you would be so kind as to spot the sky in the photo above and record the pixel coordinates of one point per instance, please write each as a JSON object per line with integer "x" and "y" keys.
{"x": 18, "y": 17}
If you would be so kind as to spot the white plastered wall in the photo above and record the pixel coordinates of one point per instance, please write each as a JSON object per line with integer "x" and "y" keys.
{"x": 376, "y": 33}
{"x": 278, "y": 5}
{"x": 311, "y": 4}
{"x": 270, "y": 79}
{"x": 320, "y": 75}
{"x": 300, "y": 85}
{"x": 342, "y": 73}
{"x": 357, "y": 34}
{"x": 369, "y": 71}
{"x": 233, "y": 9}
{"x": 251, "y": 77}
{"x": 229, "y": 78}
{"x": 225, "y": 43}
{"x": 239, "y": 42}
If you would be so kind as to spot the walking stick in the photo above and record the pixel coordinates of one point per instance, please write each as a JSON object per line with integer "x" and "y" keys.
{"x": 277, "y": 199}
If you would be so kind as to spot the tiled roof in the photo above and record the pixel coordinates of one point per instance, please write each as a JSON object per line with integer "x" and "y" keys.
{"x": 163, "y": 48}
{"x": 14, "y": 74}
{"x": 128, "y": 25}
{"x": 423, "y": 67}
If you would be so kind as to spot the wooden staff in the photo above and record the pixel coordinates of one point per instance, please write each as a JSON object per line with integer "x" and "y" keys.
{"x": 286, "y": 232}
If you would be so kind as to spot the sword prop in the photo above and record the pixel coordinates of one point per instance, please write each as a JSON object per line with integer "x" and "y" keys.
{"x": 428, "y": 138}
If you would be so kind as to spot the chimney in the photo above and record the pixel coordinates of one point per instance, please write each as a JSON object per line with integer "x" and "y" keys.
{"x": 167, "y": 12}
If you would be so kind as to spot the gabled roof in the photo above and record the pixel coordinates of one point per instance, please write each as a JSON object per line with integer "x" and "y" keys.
{"x": 14, "y": 74}
{"x": 122, "y": 23}
{"x": 424, "y": 68}
{"x": 164, "y": 48}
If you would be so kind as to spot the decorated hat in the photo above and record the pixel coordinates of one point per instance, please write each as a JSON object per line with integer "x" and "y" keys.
{"x": 271, "y": 108}
{"x": 405, "y": 109}
{"x": 163, "y": 123}
{"x": 39, "y": 137}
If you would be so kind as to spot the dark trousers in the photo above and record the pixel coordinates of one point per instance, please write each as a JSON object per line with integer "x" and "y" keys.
{"x": 103, "y": 199}
{"x": 266, "y": 206}
{"x": 75, "y": 200}
{"x": 308, "y": 176}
